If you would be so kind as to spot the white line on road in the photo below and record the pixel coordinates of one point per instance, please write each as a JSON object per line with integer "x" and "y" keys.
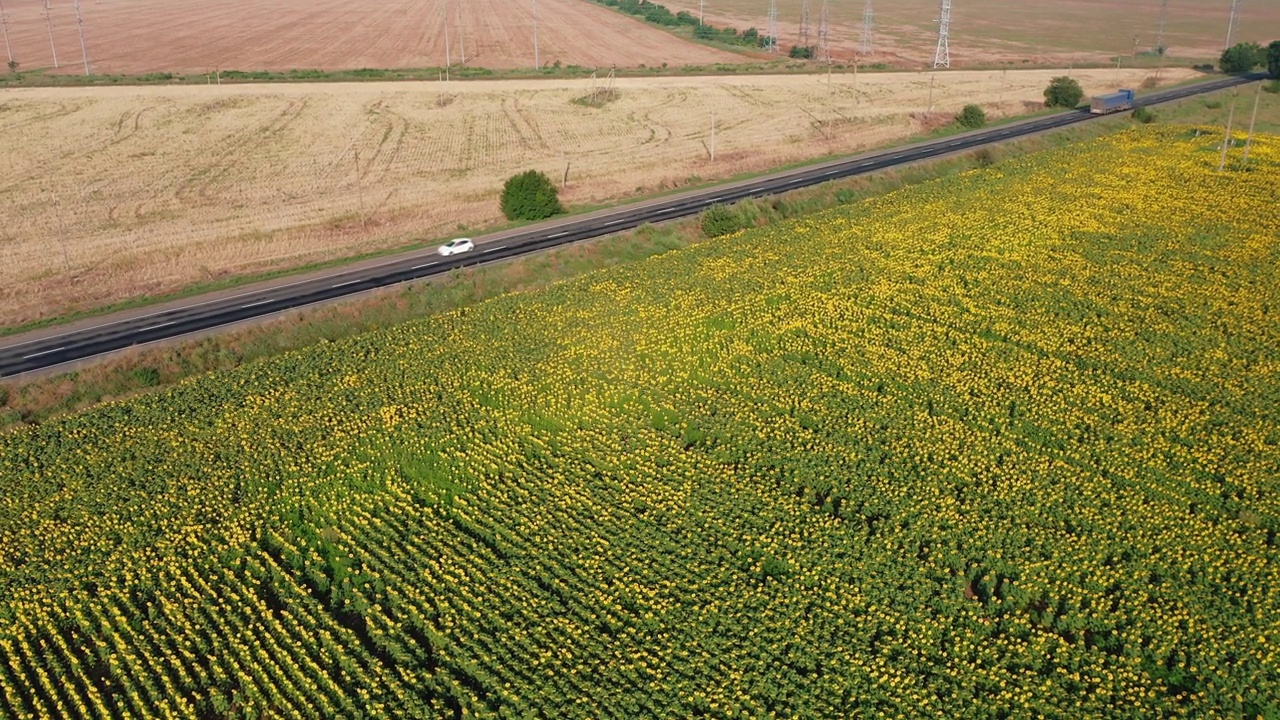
{"x": 866, "y": 164}
{"x": 46, "y": 352}
{"x": 500, "y": 247}
{"x": 349, "y": 282}
{"x": 559, "y": 234}
{"x": 419, "y": 267}
{"x": 898, "y": 157}
{"x": 833, "y": 172}
{"x": 255, "y": 304}
{"x": 615, "y": 222}
{"x": 157, "y": 327}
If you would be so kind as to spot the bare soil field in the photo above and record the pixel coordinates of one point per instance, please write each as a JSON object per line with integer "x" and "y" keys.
{"x": 185, "y": 36}
{"x": 111, "y": 193}
{"x": 998, "y": 31}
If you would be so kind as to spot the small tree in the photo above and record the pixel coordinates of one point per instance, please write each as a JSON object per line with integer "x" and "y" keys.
{"x": 1063, "y": 92}
{"x": 530, "y": 196}
{"x": 801, "y": 53}
{"x": 720, "y": 220}
{"x": 13, "y": 66}
{"x": 1241, "y": 58}
{"x": 1144, "y": 116}
{"x": 1273, "y": 59}
{"x": 972, "y": 117}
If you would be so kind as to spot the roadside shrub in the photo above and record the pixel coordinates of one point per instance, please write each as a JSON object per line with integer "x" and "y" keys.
{"x": 1213, "y": 104}
{"x": 1241, "y": 57}
{"x": 146, "y": 376}
{"x": 1272, "y": 87}
{"x": 530, "y": 196}
{"x": 1144, "y": 116}
{"x": 986, "y": 157}
{"x": 4, "y": 396}
{"x": 800, "y": 53}
{"x": 1063, "y": 92}
{"x": 972, "y": 117}
{"x": 844, "y": 196}
{"x": 720, "y": 220}
{"x": 1273, "y": 59}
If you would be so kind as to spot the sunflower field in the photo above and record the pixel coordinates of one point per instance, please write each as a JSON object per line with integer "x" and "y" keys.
{"x": 1005, "y": 444}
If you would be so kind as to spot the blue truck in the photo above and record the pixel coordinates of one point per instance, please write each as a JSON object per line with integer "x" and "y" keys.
{"x": 1111, "y": 102}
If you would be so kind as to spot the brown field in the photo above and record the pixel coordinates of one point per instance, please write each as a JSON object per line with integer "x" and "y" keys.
{"x": 111, "y": 193}
{"x": 992, "y": 31}
{"x": 185, "y": 36}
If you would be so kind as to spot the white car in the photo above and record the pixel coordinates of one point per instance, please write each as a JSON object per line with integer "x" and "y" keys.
{"x": 453, "y": 247}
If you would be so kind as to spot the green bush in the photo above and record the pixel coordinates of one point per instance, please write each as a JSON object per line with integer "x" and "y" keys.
{"x": 1063, "y": 92}
{"x": 972, "y": 117}
{"x": 530, "y": 196}
{"x": 721, "y": 220}
{"x": 844, "y": 196}
{"x": 146, "y": 377}
{"x": 1241, "y": 58}
{"x": 1272, "y": 87}
{"x": 4, "y": 396}
{"x": 1273, "y": 59}
{"x": 1143, "y": 115}
{"x": 800, "y": 53}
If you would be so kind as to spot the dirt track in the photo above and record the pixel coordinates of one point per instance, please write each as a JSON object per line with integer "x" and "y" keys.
{"x": 139, "y": 36}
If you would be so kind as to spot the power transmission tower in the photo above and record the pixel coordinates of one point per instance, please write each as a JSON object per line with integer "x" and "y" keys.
{"x": 4, "y": 24}
{"x": 804, "y": 24}
{"x": 462, "y": 40}
{"x": 772, "y": 42}
{"x": 536, "y": 64}
{"x": 84, "y": 51}
{"x": 868, "y": 19}
{"x": 942, "y": 56}
{"x": 48, "y": 21}
{"x": 824, "y": 30}
{"x": 1232, "y": 22}
{"x": 1164, "y": 18}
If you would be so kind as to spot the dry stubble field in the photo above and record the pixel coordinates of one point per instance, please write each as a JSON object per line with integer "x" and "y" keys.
{"x": 986, "y": 31}
{"x": 140, "y": 36}
{"x": 150, "y": 189}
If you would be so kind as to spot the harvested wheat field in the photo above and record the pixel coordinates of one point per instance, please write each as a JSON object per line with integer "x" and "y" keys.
{"x": 111, "y": 193}
{"x": 140, "y": 36}
{"x": 995, "y": 31}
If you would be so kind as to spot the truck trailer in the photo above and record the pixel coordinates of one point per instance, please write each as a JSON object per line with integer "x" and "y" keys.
{"x": 1112, "y": 102}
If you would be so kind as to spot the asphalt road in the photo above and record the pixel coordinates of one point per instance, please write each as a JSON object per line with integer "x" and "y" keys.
{"x": 19, "y": 356}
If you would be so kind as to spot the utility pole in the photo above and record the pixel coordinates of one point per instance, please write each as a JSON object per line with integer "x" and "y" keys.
{"x": 1249, "y": 141}
{"x": 713, "y": 133}
{"x": 868, "y": 19}
{"x": 359, "y": 187}
{"x": 48, "y": 21}
{"x": 4, "y": 24}
{"x": 942, "y": 56}
{"x": 1226, "y": 142}
{"x": 1232, "y": 22}
{"x": 537, "y": 65}
{"x": 448, "y": 45}
{"x": 932, "y": 77}
{"x": 702, "y": 12}
{"x": 80, "y": 26}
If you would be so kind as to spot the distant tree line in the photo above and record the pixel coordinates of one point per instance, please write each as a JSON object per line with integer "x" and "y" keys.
{"x": 656, "y": 14}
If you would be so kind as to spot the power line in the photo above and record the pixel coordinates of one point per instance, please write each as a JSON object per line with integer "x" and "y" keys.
{"x": 942, "y": 56}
